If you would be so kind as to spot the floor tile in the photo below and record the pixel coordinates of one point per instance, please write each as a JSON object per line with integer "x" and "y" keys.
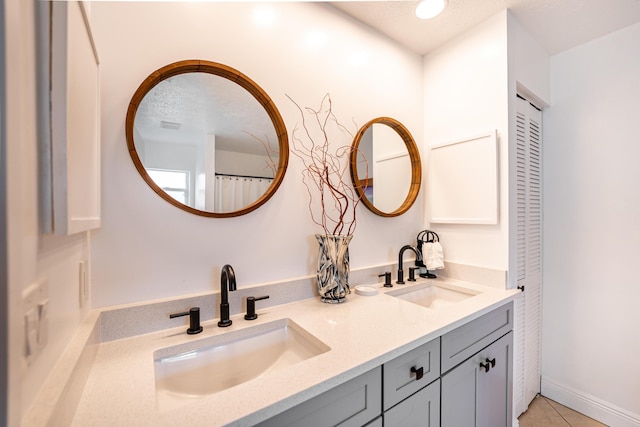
{"x": 544, "y": 412}
{"x": 541, "y": 414}
{"x": 574, "y": 418}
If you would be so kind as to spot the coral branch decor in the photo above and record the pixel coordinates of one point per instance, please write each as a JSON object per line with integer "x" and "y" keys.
{"x": 332, "y": 199}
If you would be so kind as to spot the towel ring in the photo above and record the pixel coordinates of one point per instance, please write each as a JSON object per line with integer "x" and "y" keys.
{"x": 426, "y": 236}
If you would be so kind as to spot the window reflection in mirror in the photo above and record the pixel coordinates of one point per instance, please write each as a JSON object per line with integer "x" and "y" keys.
{"x": 385, "y": 167}
{"x": 174, "y": 183}
{"x": 212, "y": 130}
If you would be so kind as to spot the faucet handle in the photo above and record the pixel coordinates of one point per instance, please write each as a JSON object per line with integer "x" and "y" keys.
{"x": 387, "y": 279}
{"x": 251, "y": 307}
{"x": 194, "y": 320}
{"x": 412, "y": 273}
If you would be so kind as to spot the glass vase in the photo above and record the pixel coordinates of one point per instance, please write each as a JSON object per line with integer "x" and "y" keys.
{"x": 333, "y": 267}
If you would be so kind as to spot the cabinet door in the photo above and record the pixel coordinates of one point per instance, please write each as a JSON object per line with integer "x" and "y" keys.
{"x": 458, "y": 397}
{"x": 72, "y": 190}
{"x": 420, "y": 410}
{"x": 473, "y": 395}
{"x": 495, "y": 387}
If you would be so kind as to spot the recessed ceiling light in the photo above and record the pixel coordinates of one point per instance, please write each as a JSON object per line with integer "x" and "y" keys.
{"x": 170, "y": 125}
{"x": 427, "y": 9}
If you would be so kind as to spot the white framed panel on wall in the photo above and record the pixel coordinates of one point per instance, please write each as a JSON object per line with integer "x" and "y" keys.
{"x": 75, "y": 121}
{"x": 463, "y": 180}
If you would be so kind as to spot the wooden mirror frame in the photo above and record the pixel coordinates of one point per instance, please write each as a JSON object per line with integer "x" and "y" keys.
{"x": 414, "y": 157}
{"x": 201, "y": 66}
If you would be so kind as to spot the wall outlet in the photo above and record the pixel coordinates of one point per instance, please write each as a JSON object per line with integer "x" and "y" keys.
{"x": 35, "y": 306}
{"x": 83, "y": 283}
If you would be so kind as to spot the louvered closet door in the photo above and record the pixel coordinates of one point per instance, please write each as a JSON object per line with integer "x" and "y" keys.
{"x": 529, "y": 253}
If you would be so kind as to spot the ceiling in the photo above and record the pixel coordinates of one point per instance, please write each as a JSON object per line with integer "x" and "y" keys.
{"x": 185, "y": 108}
{"x": 556, "y": 24}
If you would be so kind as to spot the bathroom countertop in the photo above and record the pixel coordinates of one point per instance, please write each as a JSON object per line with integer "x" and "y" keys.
{"x": 364, "y": 332}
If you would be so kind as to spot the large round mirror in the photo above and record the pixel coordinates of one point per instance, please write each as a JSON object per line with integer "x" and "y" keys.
{"x": 385, "y": 167}
{"x": 207, "y": 138}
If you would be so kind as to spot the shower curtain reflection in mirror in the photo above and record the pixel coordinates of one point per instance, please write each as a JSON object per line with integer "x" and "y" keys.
{"x": 236, "y": 192}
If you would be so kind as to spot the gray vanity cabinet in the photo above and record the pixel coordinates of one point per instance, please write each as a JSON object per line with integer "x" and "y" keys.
{"x": 477, "y": 391}
{"x": 376, "y": 423}
{"x": 352, "y": 404}
{"x": 461, "y": 379}
{"x": 419, "y": 410}
{"x": 411, "y": 394}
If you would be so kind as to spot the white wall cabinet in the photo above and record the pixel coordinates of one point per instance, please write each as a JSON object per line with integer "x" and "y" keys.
{"x": 74, "y": 144}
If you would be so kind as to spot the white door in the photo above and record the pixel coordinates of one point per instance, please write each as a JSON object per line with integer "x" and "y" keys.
{"x": 529, "y": 254}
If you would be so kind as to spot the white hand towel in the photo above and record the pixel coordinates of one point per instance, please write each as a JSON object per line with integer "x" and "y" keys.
{"x": 433, "y": 256}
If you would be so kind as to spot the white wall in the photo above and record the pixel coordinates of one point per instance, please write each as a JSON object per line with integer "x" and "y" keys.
{"x": 528, "y": 65}
{"x": 32, "y": 256}
{"x": 591, "y": 233}
{"x": 234, "y": 163}
{"x": 529, "y": 76}
{"x": 147, "y": 248}
{"x": 470, "y": 87}
{"x": 466, "y": 93}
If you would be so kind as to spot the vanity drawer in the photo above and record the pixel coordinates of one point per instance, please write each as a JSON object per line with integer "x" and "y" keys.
{"x": 400, "y": 375}
{"x": 421, "y": 409}
{"x": 463, "y": 342}
{"x": 352, "y": 404}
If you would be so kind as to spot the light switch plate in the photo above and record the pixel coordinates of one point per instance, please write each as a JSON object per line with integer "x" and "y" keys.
{"x": 35, "y": 306}
{"x": 31, "y": 332}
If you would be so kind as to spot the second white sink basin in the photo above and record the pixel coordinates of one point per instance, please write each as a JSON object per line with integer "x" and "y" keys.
{"x": 217, "y": 363}
{"x": 433, "y": 296}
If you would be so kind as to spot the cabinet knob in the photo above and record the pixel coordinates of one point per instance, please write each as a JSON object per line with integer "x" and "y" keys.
{"x": 418, "y": 371}
{"x": 490, "y": 363}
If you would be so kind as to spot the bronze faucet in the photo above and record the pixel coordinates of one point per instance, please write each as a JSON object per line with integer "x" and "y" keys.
{"x": 227, "y": 283}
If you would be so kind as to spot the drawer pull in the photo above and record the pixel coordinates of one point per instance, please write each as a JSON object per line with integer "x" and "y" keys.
{"x": 418, "y": 371}
{"x": 489, "y": 364}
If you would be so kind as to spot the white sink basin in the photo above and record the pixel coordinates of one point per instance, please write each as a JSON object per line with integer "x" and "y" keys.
{"x": 217, "y": 363}
{"x": 433, "y": 296}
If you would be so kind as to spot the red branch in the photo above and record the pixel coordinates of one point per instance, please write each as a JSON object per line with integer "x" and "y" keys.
{"x": 270, "y": 151}
{"x": 325, "y": 171}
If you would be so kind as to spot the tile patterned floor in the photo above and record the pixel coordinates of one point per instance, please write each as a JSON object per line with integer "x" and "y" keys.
{"x": 544, "y": 412}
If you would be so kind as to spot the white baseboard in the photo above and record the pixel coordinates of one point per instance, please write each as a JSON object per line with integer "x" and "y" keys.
{"x": 589, "y": 405}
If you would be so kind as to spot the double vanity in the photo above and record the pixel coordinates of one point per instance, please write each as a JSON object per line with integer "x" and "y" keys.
{"x": 437, "y": 349}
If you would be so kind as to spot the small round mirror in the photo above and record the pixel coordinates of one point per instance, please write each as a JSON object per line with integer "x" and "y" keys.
{"x": 385, "y": 167}
{"x": 207, "y": 139}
